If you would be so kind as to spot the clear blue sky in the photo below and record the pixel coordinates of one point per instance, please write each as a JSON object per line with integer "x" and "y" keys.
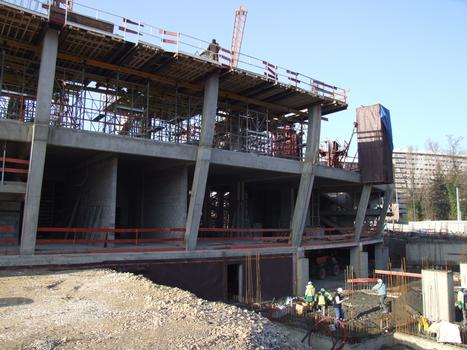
{"x": 410, "y": 56}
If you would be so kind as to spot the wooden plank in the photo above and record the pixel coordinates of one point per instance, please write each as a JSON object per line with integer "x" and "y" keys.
{"x": 398, "y": 273}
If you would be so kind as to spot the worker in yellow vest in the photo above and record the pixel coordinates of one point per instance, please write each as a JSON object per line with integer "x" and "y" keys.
{"x": 321, "y": 299}
{"x": 310, "y": 293}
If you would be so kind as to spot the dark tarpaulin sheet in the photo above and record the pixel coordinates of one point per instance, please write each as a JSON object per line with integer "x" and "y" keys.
{"x": 386, "y": 119}
{"x": 374, "y": 144}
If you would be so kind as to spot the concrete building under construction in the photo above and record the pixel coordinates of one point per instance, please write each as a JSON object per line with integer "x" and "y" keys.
{"x": 129, "y": 145}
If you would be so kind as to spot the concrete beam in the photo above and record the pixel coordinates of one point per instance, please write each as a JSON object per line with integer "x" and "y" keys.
{"x": 76, "y": 258}
{"x": 361, "y": 211}
{"x": 120, "y": 144}
{"x": 338, "y": 174}
{"x": 384, "y": 210}
{"x": 308, "y": 175}
{"x": 198, "y": 189}
{"x": 39, "y": 141}
{"x": 13, "y": 187}
{"x": 255, "y": 161}
{"x": 14, "y": 130}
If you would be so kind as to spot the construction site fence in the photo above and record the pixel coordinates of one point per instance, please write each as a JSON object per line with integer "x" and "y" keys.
{"x": 142, "y": 33}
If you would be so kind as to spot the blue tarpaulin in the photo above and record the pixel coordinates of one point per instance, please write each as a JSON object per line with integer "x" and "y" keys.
{"x": 386, "y": 119}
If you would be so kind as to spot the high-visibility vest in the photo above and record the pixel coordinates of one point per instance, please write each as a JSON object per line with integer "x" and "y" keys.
{"x": 321, "y": 300}
{"x": 310, "y": 290}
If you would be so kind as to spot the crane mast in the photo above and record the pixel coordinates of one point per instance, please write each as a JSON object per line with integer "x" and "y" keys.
{"x": 237, "y": 36}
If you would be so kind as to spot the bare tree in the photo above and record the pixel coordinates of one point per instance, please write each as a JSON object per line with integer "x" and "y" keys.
{"x": 432, "y": 146}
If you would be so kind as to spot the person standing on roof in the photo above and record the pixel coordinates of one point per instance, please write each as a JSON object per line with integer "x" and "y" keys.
{"x": 380, "y": 289}
{"x": 309, "y": 293}
{"x": 337, "y": 301}
{"x": 213, "y": 50}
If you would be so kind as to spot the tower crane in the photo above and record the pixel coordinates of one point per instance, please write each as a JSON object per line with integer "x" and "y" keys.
{"x": 237, "y": 36}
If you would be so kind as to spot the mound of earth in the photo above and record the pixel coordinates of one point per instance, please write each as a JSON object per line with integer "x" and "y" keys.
{"x": 103, "y": 309}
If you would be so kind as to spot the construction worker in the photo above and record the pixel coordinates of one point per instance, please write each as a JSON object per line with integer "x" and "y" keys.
{"x": 327, "y": 295}
{"x": 213, "y": 50}
{"x": 460, "y": 303}
{"x": 337, "y": 301}
{"x": 321, "y": 302}
{"x": 309, "y": 293}
{"x": 380, "y": 288}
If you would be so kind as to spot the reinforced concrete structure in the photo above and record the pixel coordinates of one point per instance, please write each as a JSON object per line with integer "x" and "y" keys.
{"x": 133, "y": 146}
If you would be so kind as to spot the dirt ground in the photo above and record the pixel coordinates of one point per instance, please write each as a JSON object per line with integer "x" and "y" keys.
{"x": 102, "y": 309}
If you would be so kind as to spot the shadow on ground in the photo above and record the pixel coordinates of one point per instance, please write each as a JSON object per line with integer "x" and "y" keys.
{"x": 14, "y": 301}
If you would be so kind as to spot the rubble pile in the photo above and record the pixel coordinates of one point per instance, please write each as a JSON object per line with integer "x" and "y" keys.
{"x": 103, "y": 309}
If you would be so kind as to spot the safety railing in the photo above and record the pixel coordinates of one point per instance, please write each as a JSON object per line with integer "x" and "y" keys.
{"x": 37, "y": 6}
{"x": 13, "y": 166}
{"x": 244, "y": 238}
{"x": 144, "y": 33}
{"x": 326, "y": 235}
{"x": 8, "y": 235}
{"x": 103, "y": 239}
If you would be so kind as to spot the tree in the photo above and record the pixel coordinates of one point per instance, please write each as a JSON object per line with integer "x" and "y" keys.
{"x": 438, "y": 198}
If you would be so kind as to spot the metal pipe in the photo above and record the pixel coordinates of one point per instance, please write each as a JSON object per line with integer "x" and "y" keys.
{"x": 2, "y": 71}
{"x": 3, "y": 163}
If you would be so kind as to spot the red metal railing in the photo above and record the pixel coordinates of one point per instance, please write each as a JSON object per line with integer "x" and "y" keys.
{"x": 5, "y": 168}
{"x": 7, "y": 235}
{"x": 137, "y": 31}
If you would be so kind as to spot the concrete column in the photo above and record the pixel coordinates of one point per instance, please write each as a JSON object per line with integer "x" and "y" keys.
{"x": 198, "y": 189}
{"x": 302, "y": 202}
{"x": 361, "y": 211}
{"x": 381, "y": 256}
{"x": 301, "y": 272}
{"x": 165, "y": 199}
{"x": 359, "y": 261}
{"x": 438, "y": 295}
{"x": 39, "y": 141}
{"x": 384, "y": 210}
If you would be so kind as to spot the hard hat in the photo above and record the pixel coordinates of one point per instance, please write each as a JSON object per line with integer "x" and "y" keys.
{"x": 380, "y": 280}
{"x": 322, "y": 289}
{"x": 339, "y": 290}
{"x": 309, "y": 282}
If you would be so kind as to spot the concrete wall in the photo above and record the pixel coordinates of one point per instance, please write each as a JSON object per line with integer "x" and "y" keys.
{"x": 165, "y": 198}
{"x": 207, "y": 278}
{"x": 95, "y": 189}
{"x": 438, "y": 295}
{"x": 436, "y": 252}
{"x": 450, "y": 226}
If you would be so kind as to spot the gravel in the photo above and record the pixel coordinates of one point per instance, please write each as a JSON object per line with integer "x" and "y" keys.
{"x": 103, "y": 309}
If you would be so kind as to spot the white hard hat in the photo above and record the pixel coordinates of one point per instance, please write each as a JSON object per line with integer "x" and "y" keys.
{"x": 309, "y": 282}
{"x": 380, "y": 280}
{"x": 339, "y": 290}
